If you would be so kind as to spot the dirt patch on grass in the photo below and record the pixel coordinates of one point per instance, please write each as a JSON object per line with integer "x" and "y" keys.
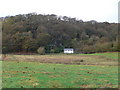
{"x": 85, "y": 86}
{"x": 24, "y": 72}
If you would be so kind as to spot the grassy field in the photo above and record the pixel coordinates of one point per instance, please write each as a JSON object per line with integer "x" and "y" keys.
{"x": 61, "y": 71}
{"x": 113, "y": 55}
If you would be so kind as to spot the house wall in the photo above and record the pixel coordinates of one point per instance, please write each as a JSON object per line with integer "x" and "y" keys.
{"x": 68, "y": 51}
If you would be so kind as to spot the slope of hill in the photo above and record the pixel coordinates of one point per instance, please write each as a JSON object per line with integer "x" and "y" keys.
{"x": 28, "y": 32}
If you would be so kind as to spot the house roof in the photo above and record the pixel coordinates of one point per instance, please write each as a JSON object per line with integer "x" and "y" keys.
{"x": 68, "y": 48}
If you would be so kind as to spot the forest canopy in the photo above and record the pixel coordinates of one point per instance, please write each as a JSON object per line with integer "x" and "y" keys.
{"x": 29, "y": 32}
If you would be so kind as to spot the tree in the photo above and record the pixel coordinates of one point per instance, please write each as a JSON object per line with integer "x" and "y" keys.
{"x": 28, "y": 32}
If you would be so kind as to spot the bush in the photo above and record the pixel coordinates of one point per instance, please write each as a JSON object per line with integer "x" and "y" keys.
{"x": 41, "y": 50}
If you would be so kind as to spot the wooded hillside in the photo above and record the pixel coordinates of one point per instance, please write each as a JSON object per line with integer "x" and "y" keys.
{"x": 28, "y": 32}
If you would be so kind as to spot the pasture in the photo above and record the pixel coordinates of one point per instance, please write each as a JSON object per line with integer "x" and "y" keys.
{"x": 61, "y": 71}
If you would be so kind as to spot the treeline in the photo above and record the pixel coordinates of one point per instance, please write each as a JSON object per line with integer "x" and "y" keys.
{"x": 52, "y": 33}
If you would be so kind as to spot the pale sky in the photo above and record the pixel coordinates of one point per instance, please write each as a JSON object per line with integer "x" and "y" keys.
{"x": 99, "y": 10}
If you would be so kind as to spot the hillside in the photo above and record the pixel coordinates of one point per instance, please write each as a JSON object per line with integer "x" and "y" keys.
{"x": 28, "y": 32}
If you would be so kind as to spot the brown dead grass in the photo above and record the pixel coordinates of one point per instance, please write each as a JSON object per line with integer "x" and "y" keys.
{"x": 63, "y": 59}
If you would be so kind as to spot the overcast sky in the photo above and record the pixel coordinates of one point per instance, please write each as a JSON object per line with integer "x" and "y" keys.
{"x": 99, "y": 10}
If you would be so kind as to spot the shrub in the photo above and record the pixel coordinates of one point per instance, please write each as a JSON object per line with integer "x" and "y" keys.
{"x": 41, "y": 50}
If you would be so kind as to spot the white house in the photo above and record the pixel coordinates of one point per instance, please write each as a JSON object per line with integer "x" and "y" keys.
{"x": 68, "y": 50}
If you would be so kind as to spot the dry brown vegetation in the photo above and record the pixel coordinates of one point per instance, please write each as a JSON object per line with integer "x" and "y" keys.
{"x": 64, "y": 59}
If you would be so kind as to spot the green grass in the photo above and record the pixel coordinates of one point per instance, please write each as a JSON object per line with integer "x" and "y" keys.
{"x": 113, "y": 55}
{"x": 36, "y": 75}
{"x": 98, "y": 70}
